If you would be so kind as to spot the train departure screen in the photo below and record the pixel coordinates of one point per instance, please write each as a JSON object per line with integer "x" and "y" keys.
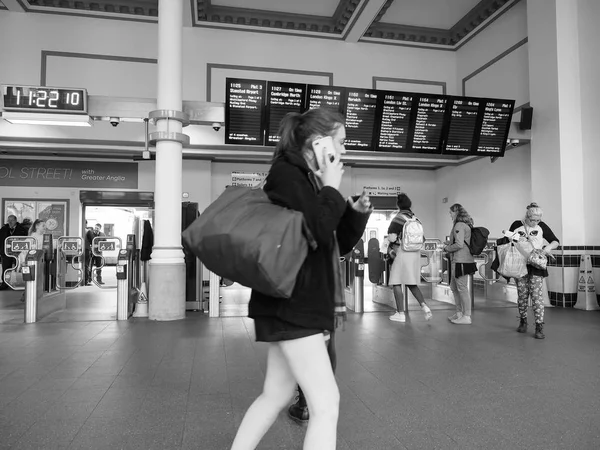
{"x": 497, "y": 115}
{"x": 244, "y": 107}
{"x": 462, "y": 127}
{"x": 282, "y": 98}
{"x": 394, "y": 125}
{"x": 360, "y": 118}
{"x": 327, "y": 97}
{"x": 429, "y": 122}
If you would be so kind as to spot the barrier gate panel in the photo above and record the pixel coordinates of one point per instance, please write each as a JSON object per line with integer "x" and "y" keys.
{"x": 70, "y": 270}
{"x": 100, "y": 246}
{"x": 17, "y": 247}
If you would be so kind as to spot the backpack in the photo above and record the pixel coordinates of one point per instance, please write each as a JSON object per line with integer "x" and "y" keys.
{"x": 412, "y": 234}
{"x": 479, "y": 239}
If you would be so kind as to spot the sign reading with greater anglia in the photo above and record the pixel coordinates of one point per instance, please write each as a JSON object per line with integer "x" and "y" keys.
{"x": 58, "y": 173}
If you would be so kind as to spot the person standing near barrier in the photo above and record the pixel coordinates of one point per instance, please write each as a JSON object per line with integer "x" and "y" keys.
{"x": 11, "y": 228}
{"x": 294, "y": 327}
{"x": 462, "y": 263}
{"x": 539, "y": 235}
{"x": 406, "y": 268}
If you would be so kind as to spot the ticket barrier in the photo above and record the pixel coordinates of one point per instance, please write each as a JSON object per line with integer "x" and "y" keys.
{"x": 100, "y": 246}
{"x": 69, "y": 264}
{"x": 16, "y": 247}
{"x": 33, "y": 276}
{"x": 354, "y": 279}
{"x": 50, "y": 263}
{"x": 122, "y": 283}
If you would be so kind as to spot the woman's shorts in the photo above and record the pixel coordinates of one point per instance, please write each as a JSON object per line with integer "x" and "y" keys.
{"x": 272, "y": 329}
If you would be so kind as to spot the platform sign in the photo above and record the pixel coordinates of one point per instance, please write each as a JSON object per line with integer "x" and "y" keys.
{"x": 106, "y": 246}
{"x": 20, "y": 246}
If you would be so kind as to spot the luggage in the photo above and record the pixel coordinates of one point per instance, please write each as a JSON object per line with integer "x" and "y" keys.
{"x": 245, "y": 238}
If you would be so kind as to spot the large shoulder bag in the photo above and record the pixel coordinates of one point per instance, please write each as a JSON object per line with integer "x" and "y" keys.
{"x": 244, "y": 237}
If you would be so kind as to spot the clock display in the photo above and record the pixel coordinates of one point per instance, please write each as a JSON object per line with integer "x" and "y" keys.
{"x": 43, "y": 98}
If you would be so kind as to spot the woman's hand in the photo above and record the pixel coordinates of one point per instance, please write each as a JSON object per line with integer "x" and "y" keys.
{"x": 331, "y": 172}
{"x": 362, "y": 204}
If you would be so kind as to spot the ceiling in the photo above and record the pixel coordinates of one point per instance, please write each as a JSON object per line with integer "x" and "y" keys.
{"x": 437, "y": 24}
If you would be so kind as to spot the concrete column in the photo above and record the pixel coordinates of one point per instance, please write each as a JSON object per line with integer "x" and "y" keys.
{"x": 557, "y": 163}
{"x": 167, "y": 266}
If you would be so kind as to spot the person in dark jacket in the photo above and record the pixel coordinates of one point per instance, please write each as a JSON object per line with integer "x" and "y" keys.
{"x": 295, "y": 328}
{"x": 11, "y": 228}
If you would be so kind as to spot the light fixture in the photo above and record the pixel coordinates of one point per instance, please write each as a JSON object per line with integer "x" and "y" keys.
{"x": 27, "y": 118}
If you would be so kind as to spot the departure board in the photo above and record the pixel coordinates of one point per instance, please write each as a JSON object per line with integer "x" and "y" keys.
{"x": 429, "y": 123}
{"x": 361, "y": 106}
{"x": 462, "y": 126}
{"x": 282, "y": 98}
{"x": 244, "y": 106}
{"x": 495, "y": 127}
{"x": 395, "y": 121}
{"x": 327, "y": 97}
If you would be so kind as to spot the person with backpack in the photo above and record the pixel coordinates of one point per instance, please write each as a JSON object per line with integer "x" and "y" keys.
{"x": 462, "y": 263}
{"x": 405, "y": 235}
{"x": 296, "y": 328}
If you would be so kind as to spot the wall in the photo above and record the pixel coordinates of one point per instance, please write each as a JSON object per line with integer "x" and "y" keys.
{"x": 589, "y": 36}
{"x": 494, "y": 194}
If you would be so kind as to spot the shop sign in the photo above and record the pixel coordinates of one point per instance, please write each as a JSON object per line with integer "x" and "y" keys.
{"x": 60, "y": 173}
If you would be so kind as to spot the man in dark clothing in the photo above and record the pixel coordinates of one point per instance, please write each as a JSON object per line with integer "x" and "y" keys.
{"x": 91, "y": 260}
{"x": 11, "y": 228}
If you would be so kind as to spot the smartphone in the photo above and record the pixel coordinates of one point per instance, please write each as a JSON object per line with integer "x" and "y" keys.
{"x": 323, "y": 147}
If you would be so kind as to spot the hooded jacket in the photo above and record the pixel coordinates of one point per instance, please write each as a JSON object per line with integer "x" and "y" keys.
{"x": 312, "y": 302}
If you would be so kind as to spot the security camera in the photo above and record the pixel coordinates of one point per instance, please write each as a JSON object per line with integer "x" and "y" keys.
{"x": 216, "y": 126}
{"x": 114, "y": 121}
{"x": 514, "y": 142}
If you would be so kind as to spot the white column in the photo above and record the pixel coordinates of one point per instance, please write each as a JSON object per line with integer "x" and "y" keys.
{"x": 167, "y": 266}
{"x": 557, "y": 164}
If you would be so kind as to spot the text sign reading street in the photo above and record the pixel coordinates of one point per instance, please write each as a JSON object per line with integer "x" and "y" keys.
{"x": 59, "y": 173}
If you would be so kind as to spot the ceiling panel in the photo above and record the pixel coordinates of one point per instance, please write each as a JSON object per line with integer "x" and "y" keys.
{"x": 428, "y": 13}
{"x": 308, "y": 7}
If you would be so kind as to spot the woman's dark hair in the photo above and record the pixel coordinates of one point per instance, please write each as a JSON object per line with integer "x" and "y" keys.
{"x": 462, "y": 214}
{"x": 403, "y": 202}
{"x": 33, "y": 227}
{"x": 297, "y": 129}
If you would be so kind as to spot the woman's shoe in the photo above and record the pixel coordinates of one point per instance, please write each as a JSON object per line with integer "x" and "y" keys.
{"x": 398, "y": 317}
{"x": 298, "y": 412}
{"x": 426, "y": 311}
{"x": 462, "y": 320}
{"x": 456, "y": 315}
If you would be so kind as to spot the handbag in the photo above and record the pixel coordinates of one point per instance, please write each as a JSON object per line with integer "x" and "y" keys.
{"x": 244, "y": 237}
{"x": 512, "y": 264}
{"x": 538, "y": 259}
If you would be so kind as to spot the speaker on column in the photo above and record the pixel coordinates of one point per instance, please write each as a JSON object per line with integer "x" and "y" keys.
{"x": 526, "y": 118}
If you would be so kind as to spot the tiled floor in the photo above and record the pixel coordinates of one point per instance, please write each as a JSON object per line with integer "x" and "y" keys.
{"x": 419, "y": 385}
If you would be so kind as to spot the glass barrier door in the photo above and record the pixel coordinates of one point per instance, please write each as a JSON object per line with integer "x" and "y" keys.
{"x": 16, "y": 247}
{"x": 69, "y": 265}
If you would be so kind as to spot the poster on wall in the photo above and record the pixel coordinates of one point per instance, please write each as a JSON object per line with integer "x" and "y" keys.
{"x": 54, "y": 212}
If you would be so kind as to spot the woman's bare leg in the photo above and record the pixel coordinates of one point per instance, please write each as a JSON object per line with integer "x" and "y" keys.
{"x": 309, "y": 362}
{"x": 278, "y": 389}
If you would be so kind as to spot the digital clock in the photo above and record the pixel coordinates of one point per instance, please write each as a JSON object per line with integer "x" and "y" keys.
{"x": 44, "y": 98}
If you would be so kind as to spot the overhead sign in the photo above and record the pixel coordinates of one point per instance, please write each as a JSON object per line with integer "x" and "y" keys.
{"x": 248, "y": 179}
{"x": 59, "y": 173}
{"x": 382, "y": 191}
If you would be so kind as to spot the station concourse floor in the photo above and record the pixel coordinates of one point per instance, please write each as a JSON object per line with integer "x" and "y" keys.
{"x": 421, "y": 385}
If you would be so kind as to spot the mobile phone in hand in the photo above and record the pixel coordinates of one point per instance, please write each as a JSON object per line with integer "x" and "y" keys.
{"x": 323, "y": 147}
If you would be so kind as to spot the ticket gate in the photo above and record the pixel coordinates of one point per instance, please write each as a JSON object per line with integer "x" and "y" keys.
{"x": 69, "y": 264}
{"x": 354, "y": 278}
{"x": 33, "y": 275}
{"x": 16, "y": 247}
{"x": 100, "y": 246}
{"x": 50, "y": 263}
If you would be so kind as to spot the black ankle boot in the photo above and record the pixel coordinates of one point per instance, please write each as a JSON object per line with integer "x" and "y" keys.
{"x": 539, "y": 331}
{"x": 298, "y": 411}
{"x": 522, "y": 326}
